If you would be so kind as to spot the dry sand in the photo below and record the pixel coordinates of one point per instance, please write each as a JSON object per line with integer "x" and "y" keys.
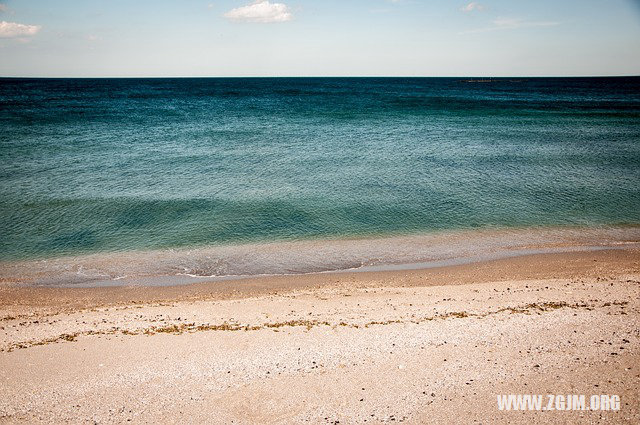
{"x": 424, "y": 346}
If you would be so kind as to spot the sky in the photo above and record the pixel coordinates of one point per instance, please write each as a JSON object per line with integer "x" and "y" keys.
{"x": 138, "y": 38}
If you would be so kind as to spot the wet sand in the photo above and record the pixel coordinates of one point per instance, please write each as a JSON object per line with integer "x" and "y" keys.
{"x": 419, "y": 346}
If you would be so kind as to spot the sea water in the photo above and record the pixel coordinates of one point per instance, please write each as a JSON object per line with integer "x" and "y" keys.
{"x": 212, "y": 165}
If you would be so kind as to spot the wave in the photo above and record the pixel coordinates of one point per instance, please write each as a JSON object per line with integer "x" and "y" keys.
{"x": 182, "y": 266}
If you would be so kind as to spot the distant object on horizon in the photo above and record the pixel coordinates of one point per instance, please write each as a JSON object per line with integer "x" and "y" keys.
{"x": 490, "y": 80}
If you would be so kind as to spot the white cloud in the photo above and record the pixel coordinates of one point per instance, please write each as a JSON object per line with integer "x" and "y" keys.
{"x": 3, "y": 7}
{"x": 471, "y": 7}
{"x": 512, "y": 24}
{"x": 507, "y": 23}
{"x": 260, "y": 11}
{"x": 13, "y": 30}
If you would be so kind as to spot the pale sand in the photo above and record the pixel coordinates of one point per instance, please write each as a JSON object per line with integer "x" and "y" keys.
{"x": 425, "y": 346}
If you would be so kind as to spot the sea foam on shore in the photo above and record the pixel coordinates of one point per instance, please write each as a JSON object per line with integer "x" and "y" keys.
{"x": 182, "y": 266}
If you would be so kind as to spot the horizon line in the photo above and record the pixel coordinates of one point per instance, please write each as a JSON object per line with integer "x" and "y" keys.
{"x": 319, "y": 76}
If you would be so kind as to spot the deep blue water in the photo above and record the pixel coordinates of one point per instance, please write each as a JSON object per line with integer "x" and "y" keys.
{"x": 92, "y": 165}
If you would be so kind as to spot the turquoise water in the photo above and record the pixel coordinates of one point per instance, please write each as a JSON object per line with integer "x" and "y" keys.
{"x": 93, "y": 165}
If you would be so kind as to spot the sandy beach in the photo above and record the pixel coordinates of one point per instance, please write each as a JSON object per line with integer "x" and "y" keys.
{"x": 421, "y": 346}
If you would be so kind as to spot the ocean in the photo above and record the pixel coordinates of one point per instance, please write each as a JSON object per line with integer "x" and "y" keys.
{"x": 246, "y": 176}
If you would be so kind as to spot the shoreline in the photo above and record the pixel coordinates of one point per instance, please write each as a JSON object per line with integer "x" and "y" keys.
{"x": 414, "y": 346}
{"x": 173, "y": 267}
{"x": 523, "y": 267}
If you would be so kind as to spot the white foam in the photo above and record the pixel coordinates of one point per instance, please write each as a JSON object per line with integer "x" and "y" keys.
{"x": 181, "y": 266}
